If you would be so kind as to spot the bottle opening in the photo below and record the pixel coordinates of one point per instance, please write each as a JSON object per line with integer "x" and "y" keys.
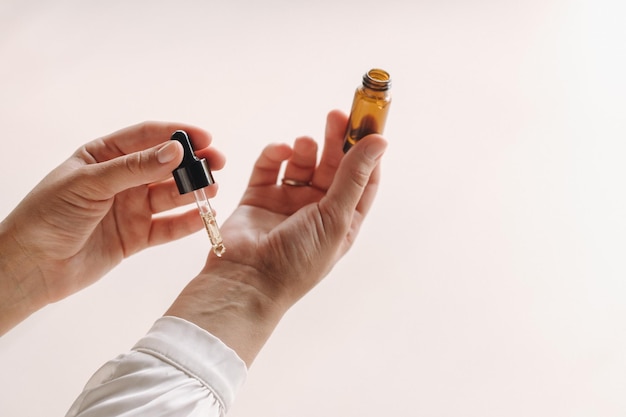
{"x": 377, "y": 79}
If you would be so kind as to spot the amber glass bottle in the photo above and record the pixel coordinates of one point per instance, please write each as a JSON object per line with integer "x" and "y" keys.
{"x": 369, "y": 107}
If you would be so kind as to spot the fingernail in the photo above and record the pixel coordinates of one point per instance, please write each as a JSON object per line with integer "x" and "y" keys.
{"x": 375, "y": 150}
{"x": 167, "y": 153}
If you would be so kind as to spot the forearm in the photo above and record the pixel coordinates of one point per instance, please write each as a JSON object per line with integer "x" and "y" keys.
{"x": 235, "y": 304}
{"x": 21, "y": 291}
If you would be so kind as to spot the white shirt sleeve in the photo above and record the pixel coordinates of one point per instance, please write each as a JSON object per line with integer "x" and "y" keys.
{"x": 177, "y": 369}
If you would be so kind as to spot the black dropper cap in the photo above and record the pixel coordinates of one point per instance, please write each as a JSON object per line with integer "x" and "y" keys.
{"x": 192, "y": 173}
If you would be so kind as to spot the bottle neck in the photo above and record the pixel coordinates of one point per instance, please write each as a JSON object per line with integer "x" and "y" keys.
{"x": 377, "y": 80}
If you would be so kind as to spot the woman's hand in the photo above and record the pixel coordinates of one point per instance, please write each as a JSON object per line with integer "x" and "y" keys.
{"x": 92, "y": 211}
{"x": 294, "y": 234}
{"x": 284, "y": 236}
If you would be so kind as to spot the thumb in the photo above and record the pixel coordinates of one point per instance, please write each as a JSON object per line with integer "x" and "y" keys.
{"x": 138, "y": 168}
{"x": 356, "y": 180}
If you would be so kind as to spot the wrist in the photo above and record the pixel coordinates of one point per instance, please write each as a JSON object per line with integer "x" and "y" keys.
{"x": 226, "y": 301}
{"x": 21, "y": 289}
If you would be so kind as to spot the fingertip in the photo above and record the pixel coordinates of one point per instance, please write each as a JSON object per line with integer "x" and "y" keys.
{"x": 170, "y": 151}
{"x": 336, "y": 123}
{"x": 199, "y": 137}
{"x": 278, "y": 151}
{"x": 374, "y": 146}
{"x": 305, "y": 144}
{"x": 267, "y": 166}
{"x": 337, "y": 115}
{"x": 216, "y": 158}
{"x": 211, "y": 190}
{"x": 359, "y": 164}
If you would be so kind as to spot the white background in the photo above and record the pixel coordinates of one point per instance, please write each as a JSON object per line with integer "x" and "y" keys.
{"x": 489, "y": 278}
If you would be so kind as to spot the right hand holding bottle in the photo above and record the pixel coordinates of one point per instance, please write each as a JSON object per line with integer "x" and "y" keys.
{"x": 283, "y": 238}
{"x": 293, "y": 235}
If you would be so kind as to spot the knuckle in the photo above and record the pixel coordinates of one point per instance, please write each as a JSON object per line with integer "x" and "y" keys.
{"x": 135, "y": 163}
{"x": 360, "y": 177}
{"x": 145, "y": 130}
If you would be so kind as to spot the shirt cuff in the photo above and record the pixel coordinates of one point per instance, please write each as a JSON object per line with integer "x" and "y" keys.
{"x": 198, "y": 353}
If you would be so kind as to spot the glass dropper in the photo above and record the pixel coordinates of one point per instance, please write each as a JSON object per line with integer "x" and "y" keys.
{"x": 193, "y": 175}
{"x": 206, "y": 212}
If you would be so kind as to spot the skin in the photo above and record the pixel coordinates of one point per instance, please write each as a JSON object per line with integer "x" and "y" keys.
{"x": 95, "y": 209}
{"x": 282, "y": 240}
{"x": 99, "y": 207}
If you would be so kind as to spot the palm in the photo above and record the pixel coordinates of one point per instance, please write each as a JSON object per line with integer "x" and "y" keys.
{"x": 281, "y": 229}
{"x": 292, "y": 235}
